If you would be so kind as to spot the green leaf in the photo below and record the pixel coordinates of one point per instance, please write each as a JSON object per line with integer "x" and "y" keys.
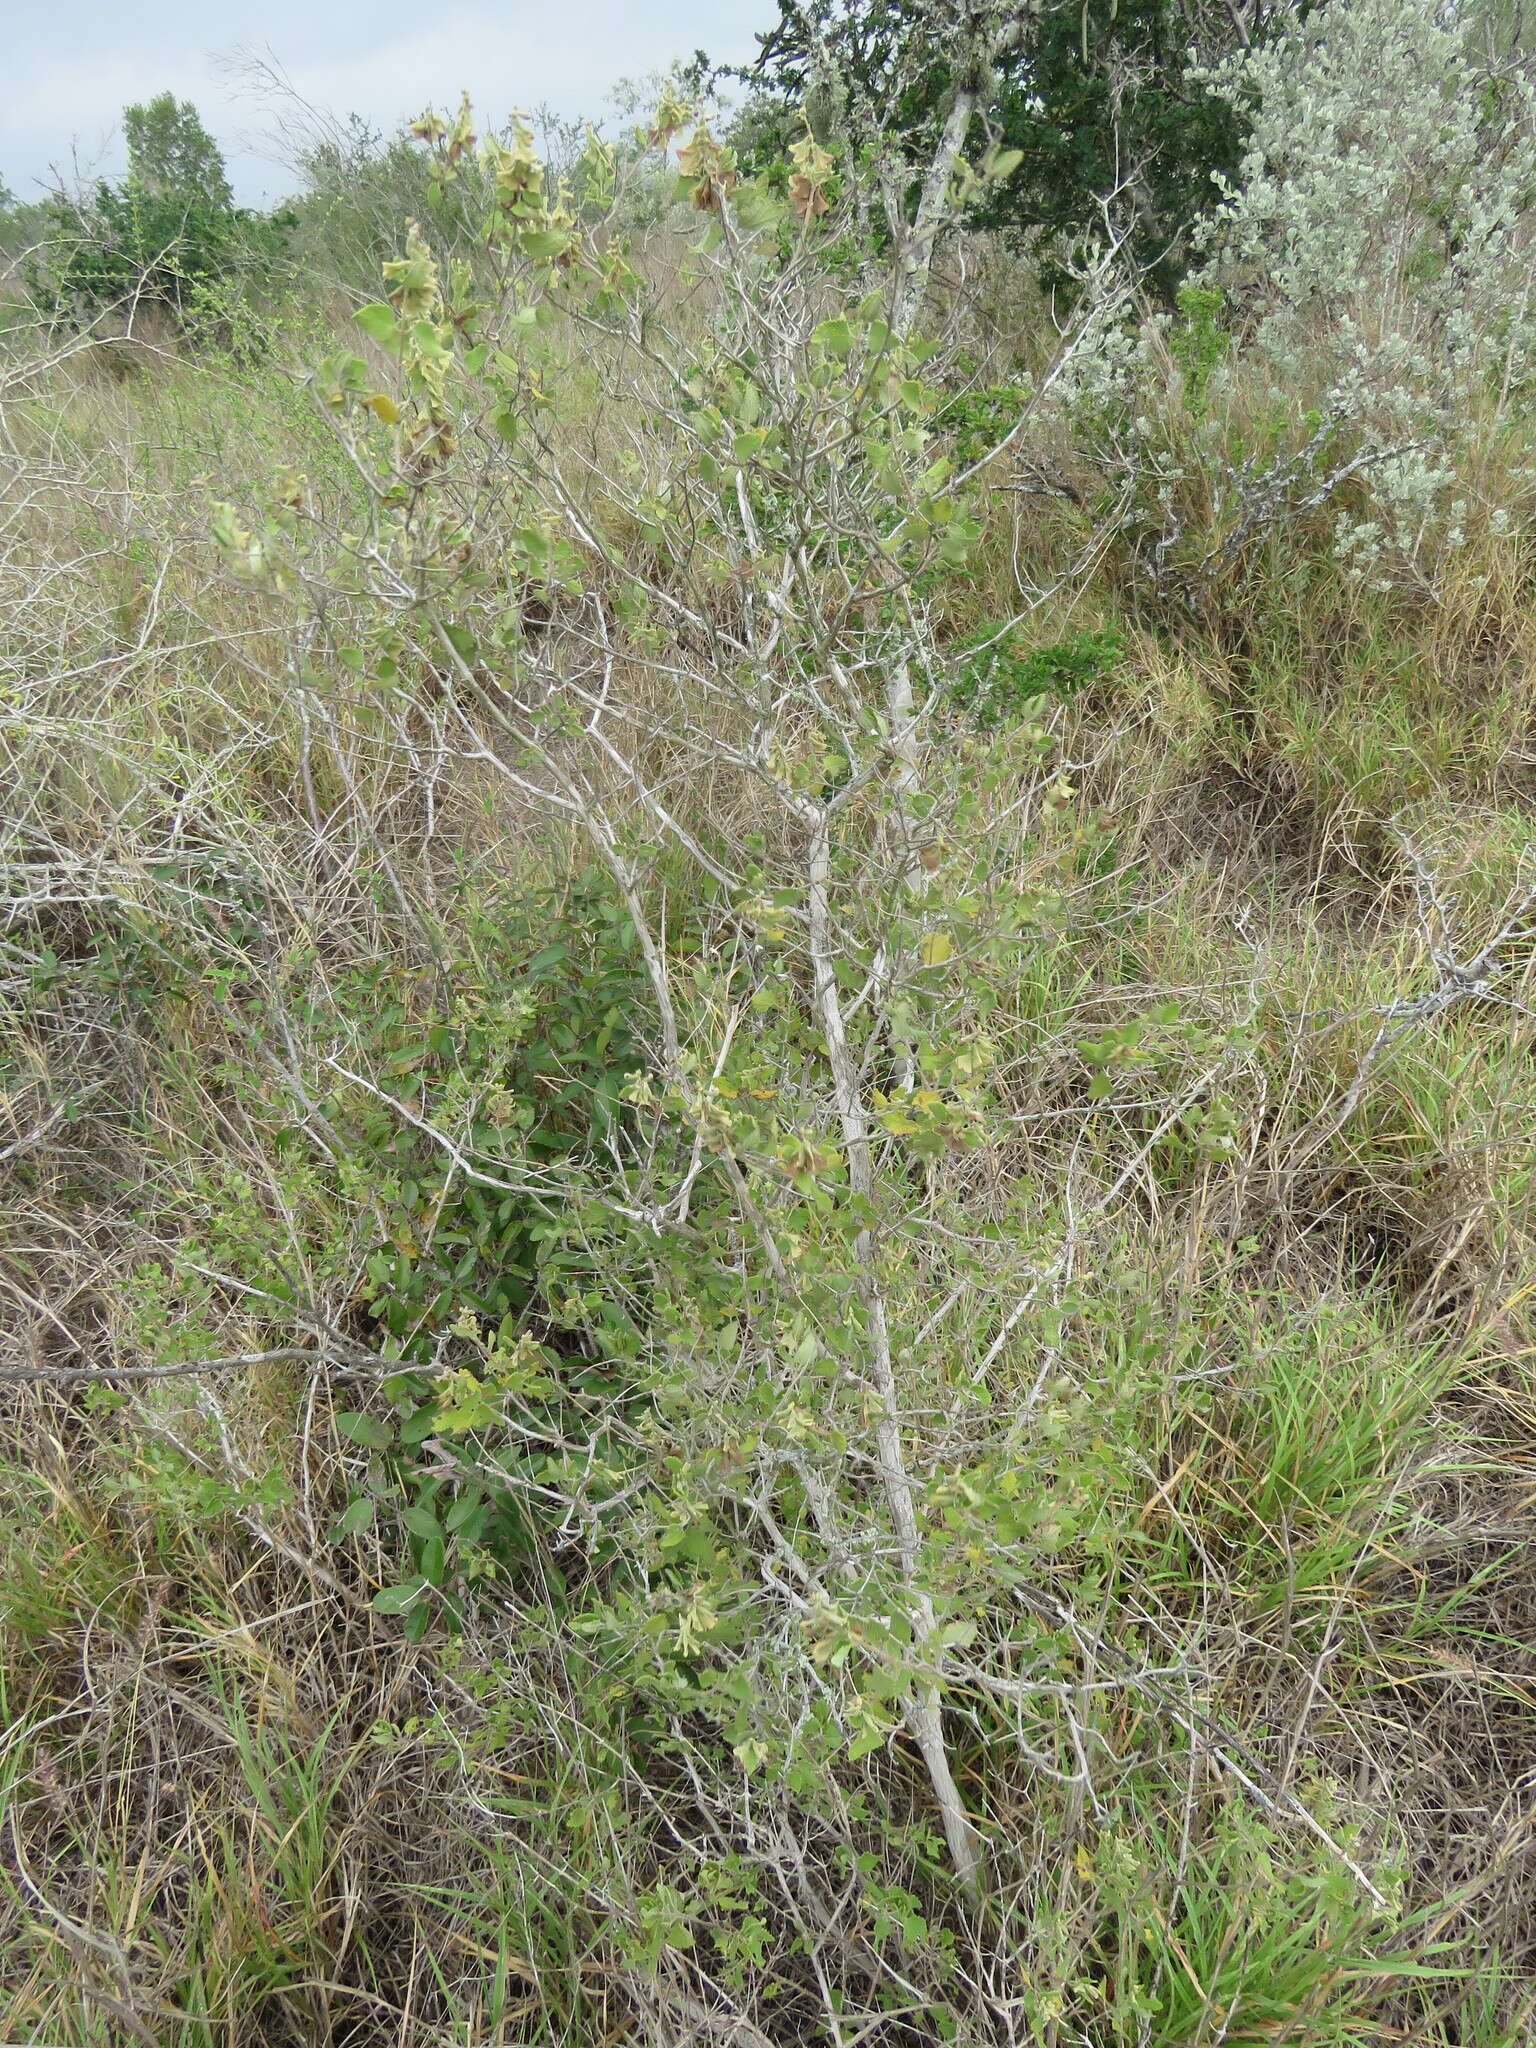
{"x": 399, "y": 1599}
{"x": 418, "y": 1427}
{"x": 870, "y": 1738}
{"x": 364, "y": 1429}
{"x": 354, "y": 1518}
{"x": 462, "y": 1513}
{"x": 423, "y": 1523}
{"x": 835, "y": 336}
{"x": 959, "y": 538}
{"x": 379, "y": 323}
{"x": 472, "y": 1527}
{"x": 543, "y": 245}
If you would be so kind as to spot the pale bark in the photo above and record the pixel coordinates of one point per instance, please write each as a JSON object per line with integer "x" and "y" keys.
{"x": 923, "y": 1713}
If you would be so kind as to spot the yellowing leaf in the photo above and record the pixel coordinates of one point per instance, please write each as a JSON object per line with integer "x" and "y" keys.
{"x": 806, "y": 197}
{"x": 935, "y": 949}
{"x": 384, "y": 407}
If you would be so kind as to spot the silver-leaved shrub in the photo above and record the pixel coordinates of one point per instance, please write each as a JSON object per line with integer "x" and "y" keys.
{"x": 1372, "y": 263}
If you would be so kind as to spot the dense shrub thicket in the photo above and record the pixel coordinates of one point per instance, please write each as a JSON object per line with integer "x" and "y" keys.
{"x": 168, "y": 241}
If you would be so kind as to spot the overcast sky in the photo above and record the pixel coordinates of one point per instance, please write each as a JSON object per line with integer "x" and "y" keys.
{"x": 70, "y": 66}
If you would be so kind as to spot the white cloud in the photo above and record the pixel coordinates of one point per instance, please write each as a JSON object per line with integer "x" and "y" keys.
{"x": 381, "y": 62}
{"x": 54, "y": 105}
{"x": 502, "y": 64}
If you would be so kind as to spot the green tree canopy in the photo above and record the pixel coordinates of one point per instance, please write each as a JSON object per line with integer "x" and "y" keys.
{"x": 171, "y": 155}
{"x": 1093, "y": 93}
{"x": 168, "y": 236}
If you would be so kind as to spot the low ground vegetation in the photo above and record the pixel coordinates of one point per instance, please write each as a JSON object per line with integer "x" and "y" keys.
{"x": 767, "y": 1112}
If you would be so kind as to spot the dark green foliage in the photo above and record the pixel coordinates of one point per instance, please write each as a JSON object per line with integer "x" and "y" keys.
{"x": 1093, "y": 94}
{"x": 23, "y": 224}
{"x": 1097, "y": 100}
{"x": 993, "y": 682}
{"x": 126, "y": 247}
{"x": 499, "y": 1282}
{"x": 168, "y": 237}
{"x": 979, "y": 420}
{"x": 1197, "y": 343}
{"x": 546, "y": 1052}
